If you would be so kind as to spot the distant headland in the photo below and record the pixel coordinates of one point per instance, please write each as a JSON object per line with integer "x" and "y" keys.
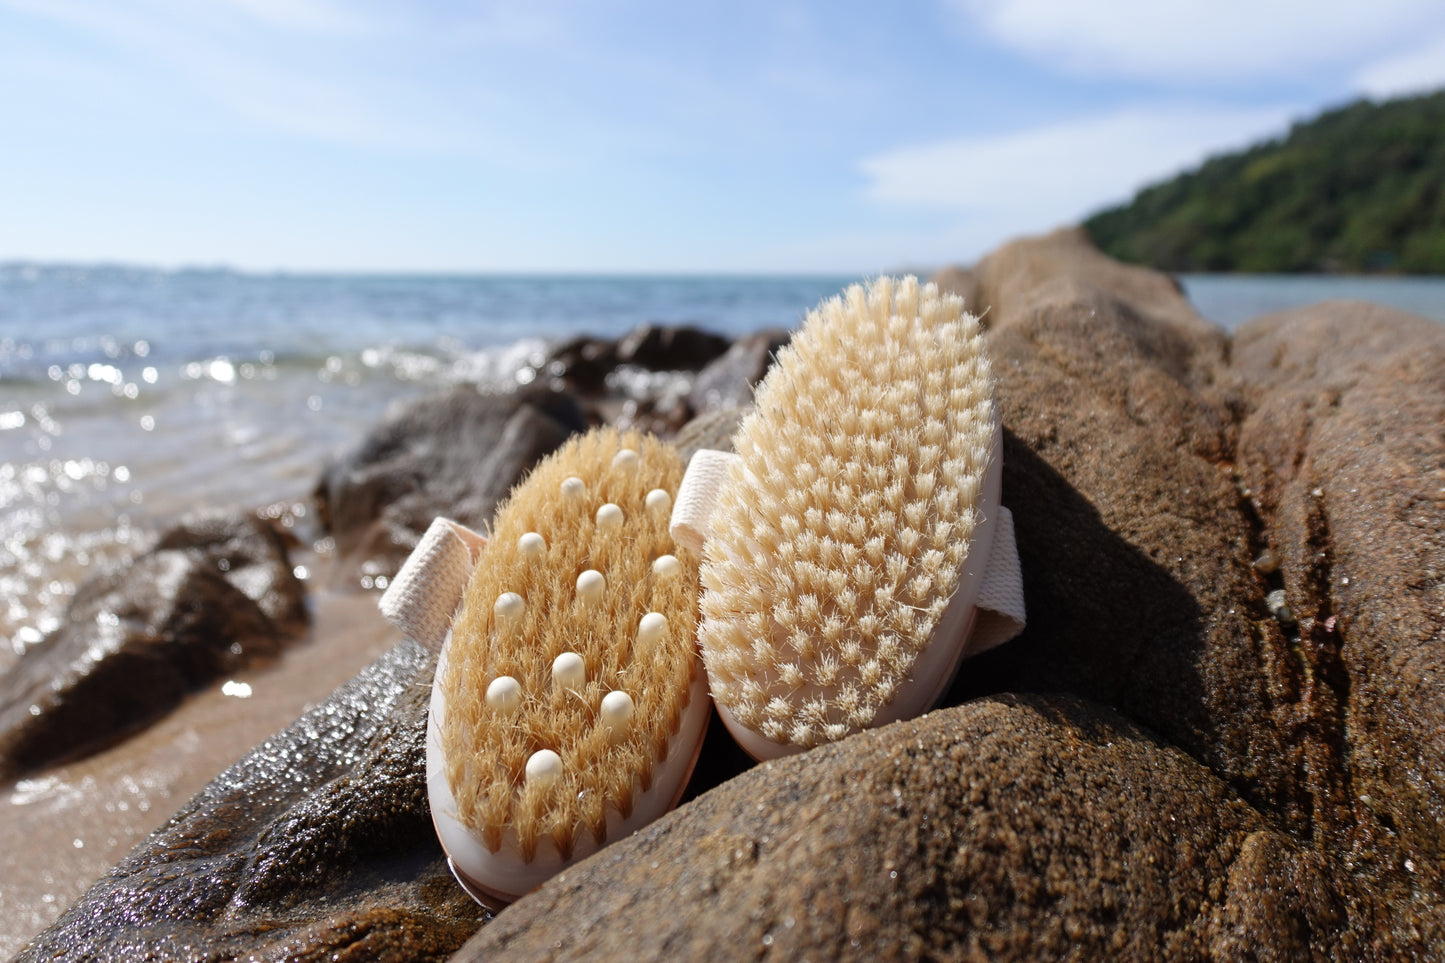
{"x": 1358, "y": 189}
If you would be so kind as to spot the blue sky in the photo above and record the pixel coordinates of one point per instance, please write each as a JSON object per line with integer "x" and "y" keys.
{"x": 640, "y": 136}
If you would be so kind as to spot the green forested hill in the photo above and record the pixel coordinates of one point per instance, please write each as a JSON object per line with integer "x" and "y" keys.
{"x": 1361, "y": 188}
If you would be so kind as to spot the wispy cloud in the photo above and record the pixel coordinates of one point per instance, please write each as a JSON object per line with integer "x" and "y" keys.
{"x": 310, "y": 16}
{"x": 995, "y": 185}
{"x": 285, "y": 66}
{"x": 1420, "y": 69}
{"x": 1199, "y": 40}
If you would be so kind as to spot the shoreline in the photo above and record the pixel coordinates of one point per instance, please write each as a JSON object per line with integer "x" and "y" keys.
{"x": 111, "y": 801}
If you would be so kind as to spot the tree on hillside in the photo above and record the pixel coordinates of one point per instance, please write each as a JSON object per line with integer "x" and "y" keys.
{"x": 1360, "y": 188}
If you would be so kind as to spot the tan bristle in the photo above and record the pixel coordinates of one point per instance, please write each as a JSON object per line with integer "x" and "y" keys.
{"x": 838, "y": 540}
{"x": 576, "y": 545}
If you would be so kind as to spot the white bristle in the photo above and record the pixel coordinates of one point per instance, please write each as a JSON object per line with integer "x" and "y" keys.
{"x": 652, "y": 629}
{"x": 574, "y": 487}
{"x": 659, "y": 501}
{"x": 569, "y": 671}
{"x": 591, "y": 584}
{"x": 504, "y": 694}
{"x": 609, "y": 517}
{"x": 840, "y": 539}
{"x": 531, "y": 545}
{"x": 625, "y": 460}
{"x": 544, "y": 767}
{"x": 666, "y": 566}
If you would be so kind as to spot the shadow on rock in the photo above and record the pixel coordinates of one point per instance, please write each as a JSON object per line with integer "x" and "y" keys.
{"x": 1106, "y": 622}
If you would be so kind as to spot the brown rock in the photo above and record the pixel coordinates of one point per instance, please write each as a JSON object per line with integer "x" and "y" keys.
{"x": 1136, "y": 556}
{"x": 1011, "y": 828}
{"x": 317, "y": 845}
{"x": 455, "y": 454}
{"x": 583, "y": 363}
{"x": 1065, "y": 266}
{"x": 712, "y": 429}
{"x": 1343, "y": 453}
{"x": 962, "y": 282}
{"x": 212, "y": 595}
{"x": 659, "y": 347}
{"x": 728, "y": 381}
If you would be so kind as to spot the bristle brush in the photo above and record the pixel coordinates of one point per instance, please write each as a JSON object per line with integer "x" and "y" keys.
{"x": 845, "y": 544}
{"x": 569, "y": 702}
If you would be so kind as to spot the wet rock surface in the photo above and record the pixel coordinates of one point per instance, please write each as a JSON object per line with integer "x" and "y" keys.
{"x": 728, "y": 381}
{"x": 212, "y": 595}
{"x": 1343, "y": 455}
{"x": 657, "y": 378}
{"x": 585, "y": 362}
{"x": 1217, "y": 738}
{"x": 456, "y": 454}
{"x": 459, "y": 453}
{"x": 317, "y": 845}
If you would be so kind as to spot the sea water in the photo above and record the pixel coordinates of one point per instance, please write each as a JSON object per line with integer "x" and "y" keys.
{"x": 1230, "y": 300}
{"x": 129, "y": 396}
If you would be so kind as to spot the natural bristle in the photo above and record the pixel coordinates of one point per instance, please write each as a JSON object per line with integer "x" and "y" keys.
{"x": 578, "y": 706}
{"x": 838, "y": 541}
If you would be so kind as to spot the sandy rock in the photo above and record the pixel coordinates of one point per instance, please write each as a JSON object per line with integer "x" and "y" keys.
{"x": 212, "y": 595}
{"x": 1136, "y": 556}
{"x": 1010, "y": 828}
{"x": 1065, "y": 266}
{"x": 317, "y": 845}
{"x": 455, "y": 454}
{"x": 1343, "y": 454}
{"x": 964, "y": 283}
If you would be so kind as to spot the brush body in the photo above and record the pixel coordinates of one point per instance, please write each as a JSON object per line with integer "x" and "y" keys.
{"x": 844, "y": 557}
{"x": 569, "y": 703}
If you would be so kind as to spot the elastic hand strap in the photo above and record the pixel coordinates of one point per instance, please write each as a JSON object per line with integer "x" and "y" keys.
{"x": 427, "y": 590}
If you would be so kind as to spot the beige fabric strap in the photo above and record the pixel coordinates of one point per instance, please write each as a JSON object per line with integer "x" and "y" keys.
{"x": 1000, "y": 605}
{"x": 426, "y": 591}
{"x": 1001, "y": 614}
{"x": 697, "y": 496}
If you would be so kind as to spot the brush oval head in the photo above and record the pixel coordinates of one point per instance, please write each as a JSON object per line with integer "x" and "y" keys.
{"x": 843, "y": 559}
{"x": 569, "y": 702}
